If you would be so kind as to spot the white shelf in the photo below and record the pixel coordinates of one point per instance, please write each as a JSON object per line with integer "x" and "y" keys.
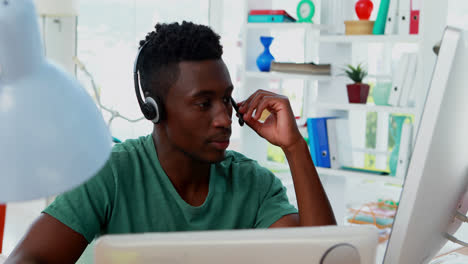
{"x": 287, "y": 26}
{"x": 366, "y": 107}
{"x": 360, "y": 175}
{"x": 280, "y": 75}
{"x": 370, "y": 38}
{"x": 279, "y": 169}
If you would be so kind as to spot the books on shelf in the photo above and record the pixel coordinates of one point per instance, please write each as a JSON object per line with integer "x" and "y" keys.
{"x": 327, "y": 136}
{"x": 415, "y": 11}
{"x": 404, "y": 153}
{"x": 403, "y": 80}
{"x": 269, "y": 16}
{"x": 398, "y": 79}
{"x": 304, "y": 68}
{"x": 392, "y": 18}
{"x": 409, "y": 82}
{"x": 403, "y": 17}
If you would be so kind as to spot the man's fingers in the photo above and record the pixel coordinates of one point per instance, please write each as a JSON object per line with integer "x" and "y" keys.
{"x": 262, "y": 106}
{"x": 253, "y": 99}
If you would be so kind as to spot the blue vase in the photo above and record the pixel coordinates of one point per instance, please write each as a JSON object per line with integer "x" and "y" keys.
{"x": 264, "y": 60}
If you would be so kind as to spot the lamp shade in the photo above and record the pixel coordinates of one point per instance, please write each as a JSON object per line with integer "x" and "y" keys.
{"x": 52, "y": 136}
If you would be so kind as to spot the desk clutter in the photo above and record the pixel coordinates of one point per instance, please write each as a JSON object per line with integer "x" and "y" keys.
{"x": 380, "y": 214}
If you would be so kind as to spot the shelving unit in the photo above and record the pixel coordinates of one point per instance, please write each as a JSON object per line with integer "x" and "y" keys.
{"x": 335, "y": 38}
{"x": 369, "y": 39}
{"x": 360, "y": 175}
{"x": 281, "y": 169}
{"x": 366, "y": 107}
{"x": 287, "y": 26}
{"x": 326, "y": 94}
{"x": 280, "y": 75}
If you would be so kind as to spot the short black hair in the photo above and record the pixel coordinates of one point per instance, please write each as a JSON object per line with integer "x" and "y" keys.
{"x": 168, "y": 45}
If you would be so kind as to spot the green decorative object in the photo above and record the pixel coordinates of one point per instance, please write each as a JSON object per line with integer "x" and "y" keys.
{"x": 381, "y": 92}
{"x": 305, "y": 11}
{"x": 379, "y": 25}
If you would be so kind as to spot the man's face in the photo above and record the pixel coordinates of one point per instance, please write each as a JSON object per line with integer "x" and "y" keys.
{"x": 199, "y": 111}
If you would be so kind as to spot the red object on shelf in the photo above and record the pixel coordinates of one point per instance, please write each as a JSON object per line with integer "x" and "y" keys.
{"x": 270, "y": 12}
{"x": 414, "y": 22}
{"x": 2, "y": 224}
{"x": 364, "y": 9}
{"x": 267, "y": 12}
{"x": 358, "y": 92}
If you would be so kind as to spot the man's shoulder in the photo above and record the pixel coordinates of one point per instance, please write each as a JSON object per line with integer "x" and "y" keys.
{"x": 126, "y": 155}
{"x": 129, "y": 147}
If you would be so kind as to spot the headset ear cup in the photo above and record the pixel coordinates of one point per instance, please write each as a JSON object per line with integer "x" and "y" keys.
{"x": 152, "y": 111}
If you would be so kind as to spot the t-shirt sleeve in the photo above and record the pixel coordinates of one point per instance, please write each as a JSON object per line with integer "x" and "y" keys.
{"x": 275, "y": 203}
{"x": 87, "y": 208}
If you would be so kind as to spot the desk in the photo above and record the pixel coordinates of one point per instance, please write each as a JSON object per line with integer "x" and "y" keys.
{"x": 462, "y": 250}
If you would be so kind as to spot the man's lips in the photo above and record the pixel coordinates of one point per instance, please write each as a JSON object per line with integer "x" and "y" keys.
{"x": 220, "y": 142}
{"x": 222, "y": 145}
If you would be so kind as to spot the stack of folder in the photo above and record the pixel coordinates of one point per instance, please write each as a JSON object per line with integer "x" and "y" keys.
{"x": 326, "y": 142}
{"x": 269, "y": 16}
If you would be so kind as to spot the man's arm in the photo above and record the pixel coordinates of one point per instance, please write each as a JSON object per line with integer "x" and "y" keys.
{"x": 281, "y": 130}
{"x": 48, "y": 241}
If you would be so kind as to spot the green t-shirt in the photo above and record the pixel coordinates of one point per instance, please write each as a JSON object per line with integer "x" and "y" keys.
{"x": 132, "y": 194}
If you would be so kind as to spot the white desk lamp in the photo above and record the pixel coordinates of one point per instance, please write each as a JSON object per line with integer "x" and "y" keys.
{"x": 52, "y": 136}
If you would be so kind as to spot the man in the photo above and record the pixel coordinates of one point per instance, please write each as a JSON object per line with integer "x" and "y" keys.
{"x": 181, "y": 177}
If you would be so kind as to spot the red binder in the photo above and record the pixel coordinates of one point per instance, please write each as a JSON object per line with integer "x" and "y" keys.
{"x": 414, "y": 14}
{"x": 414, "y": 22}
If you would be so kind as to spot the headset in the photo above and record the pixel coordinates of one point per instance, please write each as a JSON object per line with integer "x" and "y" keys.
{"x": 152, "y": 108}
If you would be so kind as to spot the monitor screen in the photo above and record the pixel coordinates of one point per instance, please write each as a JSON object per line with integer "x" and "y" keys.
{"x": 438, "y": 171}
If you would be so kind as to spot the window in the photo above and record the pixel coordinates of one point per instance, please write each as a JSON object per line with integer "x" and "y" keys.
{"x": 108, "y": 35}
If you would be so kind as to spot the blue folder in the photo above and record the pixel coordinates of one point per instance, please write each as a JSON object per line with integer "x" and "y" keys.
{"x": 269, "y": 19}
{"x": 320, "y": 138}
{"x": 310, "y": 131}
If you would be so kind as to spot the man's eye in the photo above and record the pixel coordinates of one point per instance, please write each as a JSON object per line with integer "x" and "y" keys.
{"x": 227, "y": 100}
{"x": 204, "y": 105}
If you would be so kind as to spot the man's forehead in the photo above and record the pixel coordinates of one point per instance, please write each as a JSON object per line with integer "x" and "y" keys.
{"x": 203, "y": 78}
{"x": 206, "y": 91}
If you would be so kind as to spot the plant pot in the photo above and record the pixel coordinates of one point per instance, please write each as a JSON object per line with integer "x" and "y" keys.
{"x": 359, "y": 27}
{"x": 357, "y": 93}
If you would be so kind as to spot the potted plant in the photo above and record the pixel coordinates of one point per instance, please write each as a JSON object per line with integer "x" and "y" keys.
{"x": 358, "y": 91}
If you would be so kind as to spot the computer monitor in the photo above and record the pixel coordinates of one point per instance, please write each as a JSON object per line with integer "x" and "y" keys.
{"x": 436, "y": 181}
{"x": 300, "y": 245}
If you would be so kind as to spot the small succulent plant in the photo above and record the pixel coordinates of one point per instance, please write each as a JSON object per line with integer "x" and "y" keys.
{"x": 357, "y": 74}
